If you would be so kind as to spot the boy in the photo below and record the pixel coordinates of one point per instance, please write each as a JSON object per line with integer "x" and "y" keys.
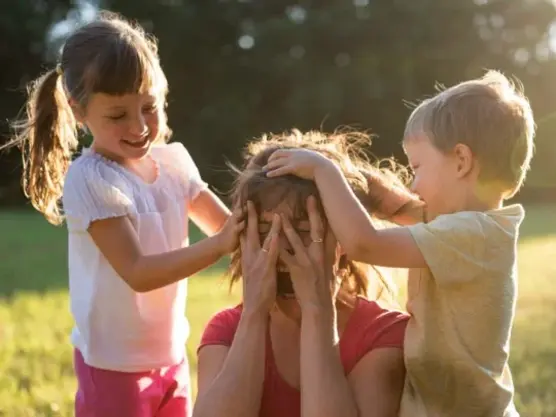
{"x": 470, "y": 147}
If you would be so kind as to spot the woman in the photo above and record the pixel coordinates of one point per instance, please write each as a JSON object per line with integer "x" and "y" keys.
{"x": 305, "y": 341}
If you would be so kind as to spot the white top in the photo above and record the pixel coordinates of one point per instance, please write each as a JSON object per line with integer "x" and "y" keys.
{"x": 117, "y": 328}
{"x": 462, "y": 308}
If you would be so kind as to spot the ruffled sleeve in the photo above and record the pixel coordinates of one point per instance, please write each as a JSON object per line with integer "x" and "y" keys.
{"x": 93, "y": 191}
{"x": 176, "y": 157}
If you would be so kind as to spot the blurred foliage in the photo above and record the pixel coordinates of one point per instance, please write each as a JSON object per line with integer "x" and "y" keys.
{"x": 240, "y": 68}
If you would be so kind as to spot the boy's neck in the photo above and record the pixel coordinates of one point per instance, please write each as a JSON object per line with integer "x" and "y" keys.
{"x": 484, "y": 200}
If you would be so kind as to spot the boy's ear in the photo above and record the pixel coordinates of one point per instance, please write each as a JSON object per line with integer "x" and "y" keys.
{"x": 464, "y": 160}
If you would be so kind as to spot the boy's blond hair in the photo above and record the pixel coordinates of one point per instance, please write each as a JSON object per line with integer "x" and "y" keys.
{"x": 490, "y": 115}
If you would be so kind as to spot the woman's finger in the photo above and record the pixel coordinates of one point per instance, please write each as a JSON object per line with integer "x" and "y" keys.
{"x": 273, "y": 232}
{"x": 240, "y": 226}
{"x": 293, "y": 237}
{"x": 242, "y": 248}
{"x": 288, "y": 259}
{"x": 252, "y": 226}
{"x": 315, "y": 221}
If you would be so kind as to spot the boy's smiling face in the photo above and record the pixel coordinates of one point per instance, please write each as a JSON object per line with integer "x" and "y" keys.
{"x": 436, "y": 178}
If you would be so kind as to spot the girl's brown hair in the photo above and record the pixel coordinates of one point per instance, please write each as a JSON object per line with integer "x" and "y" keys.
{"x": 109, "y": 55}
{"x": 344, "y": 148}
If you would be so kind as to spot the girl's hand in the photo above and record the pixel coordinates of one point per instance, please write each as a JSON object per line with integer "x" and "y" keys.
{"x": 310, "y": 274}
{"x": 228, "y": 236}
{"x": 300, "y": 162}
{"x": 259, "y": 264}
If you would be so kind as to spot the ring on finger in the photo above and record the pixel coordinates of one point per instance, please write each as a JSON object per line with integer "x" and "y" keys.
{"x": 265, "y": 250}
{"x": 317, "y": 240}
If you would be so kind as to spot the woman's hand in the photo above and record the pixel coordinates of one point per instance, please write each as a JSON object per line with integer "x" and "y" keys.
{"x": 309, "y": 269}
{"x": 259, "y": 264}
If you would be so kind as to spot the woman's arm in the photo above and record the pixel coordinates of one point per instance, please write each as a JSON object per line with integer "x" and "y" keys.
{"x": 372, "y": 389}
{"x": 377, "y": 382}
{"x": 325, "y": 391}
{"x": 230, "y": 380}
{"x": 208, "y": 212}
{"x": 232, "y": 386}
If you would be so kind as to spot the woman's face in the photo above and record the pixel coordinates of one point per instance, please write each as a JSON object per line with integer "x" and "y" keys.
{"x": 300, "y": 223}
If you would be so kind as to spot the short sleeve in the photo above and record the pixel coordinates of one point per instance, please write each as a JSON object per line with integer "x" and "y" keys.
{"x": 389, "y": 332}
{"x": 221, "y": 328}
{"x": 375, "y": 327}
{"x": 461, "y": 247}
{"x": 92, "y": 192}
{"x": 184, "y": 164}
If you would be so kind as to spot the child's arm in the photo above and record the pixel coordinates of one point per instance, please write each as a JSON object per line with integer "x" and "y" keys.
{"x": 208, "y": 212}
{"x": 392, "y": 200}
{"x": 118, "y": 242}
{"x": 348, "y": 219}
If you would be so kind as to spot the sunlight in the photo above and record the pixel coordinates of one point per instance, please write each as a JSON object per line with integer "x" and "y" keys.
{"x": 83, "y": 12}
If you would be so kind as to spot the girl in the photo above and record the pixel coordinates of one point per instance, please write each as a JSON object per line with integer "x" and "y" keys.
{"x": 127, "y": 200}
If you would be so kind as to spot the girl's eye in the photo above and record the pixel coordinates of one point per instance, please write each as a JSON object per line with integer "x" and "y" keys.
{"x": 152, "y": 108}
{"x": 117, "y": 117}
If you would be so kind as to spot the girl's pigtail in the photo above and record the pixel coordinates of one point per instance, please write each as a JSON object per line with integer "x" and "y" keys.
{"x": 47, "y": 138}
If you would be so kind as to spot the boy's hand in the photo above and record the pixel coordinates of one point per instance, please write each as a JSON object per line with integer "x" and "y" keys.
{"x": 300, "y": 162}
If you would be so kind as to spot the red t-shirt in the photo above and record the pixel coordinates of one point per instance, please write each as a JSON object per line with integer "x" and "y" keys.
{"x": 369, "y": 327}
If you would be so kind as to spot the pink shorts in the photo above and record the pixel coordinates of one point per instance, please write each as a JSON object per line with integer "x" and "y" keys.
{"x": 158, "y": 393}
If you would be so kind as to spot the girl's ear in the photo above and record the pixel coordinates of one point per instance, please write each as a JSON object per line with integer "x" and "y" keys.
{"x": 78, "y": 111}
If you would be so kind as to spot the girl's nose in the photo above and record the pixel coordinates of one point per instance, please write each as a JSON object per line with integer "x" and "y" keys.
{"x": 139, "y": 127}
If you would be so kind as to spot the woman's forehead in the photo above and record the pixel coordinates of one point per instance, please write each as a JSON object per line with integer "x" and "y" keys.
{"x": 285, "y": 208}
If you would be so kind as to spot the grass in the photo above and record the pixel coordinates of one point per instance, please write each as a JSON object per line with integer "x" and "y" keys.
{"x": 36, "y": 374}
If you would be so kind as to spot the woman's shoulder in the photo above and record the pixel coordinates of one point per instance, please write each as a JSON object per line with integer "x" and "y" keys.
{"x": 378, "y": 324}
{"x": 222, "y": 326}
{"x": 370, "y": 309}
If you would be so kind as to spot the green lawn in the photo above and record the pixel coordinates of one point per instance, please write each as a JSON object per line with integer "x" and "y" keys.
{"x": 36, "y": 376}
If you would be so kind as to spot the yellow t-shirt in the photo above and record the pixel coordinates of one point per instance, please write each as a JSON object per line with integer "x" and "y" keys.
{"x": 462, "y": 308}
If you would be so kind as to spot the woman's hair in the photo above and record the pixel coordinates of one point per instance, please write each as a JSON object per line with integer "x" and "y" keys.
{"x": 109, "y": 55}
{"x": 344, "y": 148}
